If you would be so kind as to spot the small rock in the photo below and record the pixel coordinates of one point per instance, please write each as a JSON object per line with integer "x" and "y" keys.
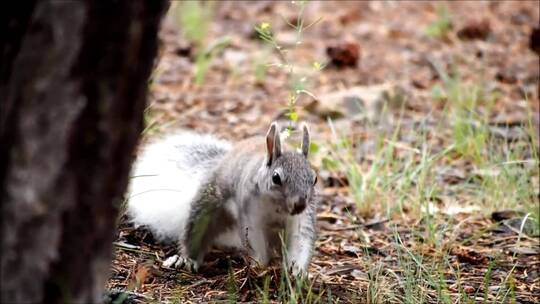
{"x": 344, "y": 54}
{"x": 234, "y": 57}
{"x": 475, "y": 29}
{"x": 521, "y": 17}
{"x": 357, "y": 274}
{"x": 286, "y": 39}
{"x": 351, "y": 250}
{"x": 365, "y": 101}
{"x": 513, "y": 220}
{"x": 486, "y": 173}
{"x": 499, "y": 216}
{"x": 455, "y": 209}
{"x": 452, "y": 176}
{"x": 376, "y": 224}
{"x": 521, "y": 225}
{"x": 524, "y": 250}
{"x": 324, "y": 111}
{"x": 509, "y": 133}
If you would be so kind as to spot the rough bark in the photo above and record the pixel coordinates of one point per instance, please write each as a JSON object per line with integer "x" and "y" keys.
{"x": 73, "y": 82}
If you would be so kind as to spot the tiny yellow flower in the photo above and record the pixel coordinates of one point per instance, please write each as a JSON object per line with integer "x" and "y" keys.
{"x": 265, "y": 26}
{"x": 317, "y": 65}
{"x": 293, "y": 116}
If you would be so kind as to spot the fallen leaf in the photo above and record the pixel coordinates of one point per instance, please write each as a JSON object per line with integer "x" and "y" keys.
{"x": 475, "y": 29}
{"x": 466, "y": 255}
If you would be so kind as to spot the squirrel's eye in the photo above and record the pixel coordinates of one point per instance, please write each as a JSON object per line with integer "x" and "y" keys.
{"x": 276, "y": 179}
{"x": 315, "y": 180}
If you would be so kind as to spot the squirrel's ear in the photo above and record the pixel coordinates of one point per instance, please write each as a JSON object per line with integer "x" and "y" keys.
{"x": 305, "y": 140}
{"x": 273, "y": 145}
{"x": 277, "y": 144}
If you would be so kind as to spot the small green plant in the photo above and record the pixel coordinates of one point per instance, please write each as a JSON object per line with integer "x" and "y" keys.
{"x": 264, "y": 292}
{"x": 232, "y": 288}
{"x": 506, "y": 179}
{"x": 365, "y": 184}
{"x": 469, "y": 106}
{"x": 204, "y": 58}
{"x": 194, "y": 17}
{"x": 151, "y": 126}
{"x": 152, "y": 122}
{"x": 261, "y": 66}
{"x": 288, "y": 288}
{"x": 156, "y": 73}
{"x": 297, "y": 81}
{"x": 442, "y": 25}
{"x": 420, "y": 274}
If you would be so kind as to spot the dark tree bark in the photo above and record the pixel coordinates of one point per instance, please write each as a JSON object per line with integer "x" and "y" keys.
{"x": 73, "y": 84}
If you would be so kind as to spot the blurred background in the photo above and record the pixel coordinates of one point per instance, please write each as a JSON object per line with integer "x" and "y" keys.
{"x": 211, "y": 53}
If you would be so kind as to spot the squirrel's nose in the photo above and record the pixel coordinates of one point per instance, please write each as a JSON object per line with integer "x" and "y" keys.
{"x": 299, "y": 206}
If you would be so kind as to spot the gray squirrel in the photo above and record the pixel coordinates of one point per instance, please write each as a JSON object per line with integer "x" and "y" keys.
{"x": 203, "y": 192}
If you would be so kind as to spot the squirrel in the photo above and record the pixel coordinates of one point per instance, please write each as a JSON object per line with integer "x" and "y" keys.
{"x": 204, "y": 192}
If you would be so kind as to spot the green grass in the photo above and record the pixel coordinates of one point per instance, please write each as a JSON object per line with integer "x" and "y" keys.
{"x": 204, "y": 58}
{"x": 426, "y": 278}
{"x": 404, "y": 181}
{"x": 397, "y": 177}
{"x": 272, "y": 286}
{"x": 442, "y": 25}
{"x": 193, "y": 18}
{"x": 286, "y": 289}
{"x": 151, "y": 125}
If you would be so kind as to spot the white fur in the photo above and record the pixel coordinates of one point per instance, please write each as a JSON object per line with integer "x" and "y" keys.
{"x": 229, "y": 239}
{"x": 299, "y": 249}
{"x": 163, "y": 184}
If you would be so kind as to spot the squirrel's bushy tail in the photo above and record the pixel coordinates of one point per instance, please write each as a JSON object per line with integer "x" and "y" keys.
{"x": 166, "y": 177}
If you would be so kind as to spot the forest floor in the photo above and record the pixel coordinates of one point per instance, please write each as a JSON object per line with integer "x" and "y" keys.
{"x": 425, "y": 121}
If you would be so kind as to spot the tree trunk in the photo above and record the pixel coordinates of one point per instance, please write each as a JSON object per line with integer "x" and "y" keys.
{"x": 73, "y": 84}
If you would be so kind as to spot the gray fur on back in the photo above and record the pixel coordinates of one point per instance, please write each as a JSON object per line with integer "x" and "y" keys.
{"x": 200, "y": 152}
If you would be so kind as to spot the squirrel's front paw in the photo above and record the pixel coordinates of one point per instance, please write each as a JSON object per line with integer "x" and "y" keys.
{"x": 177, "y": 262}
{"x": 297, "y": 270}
